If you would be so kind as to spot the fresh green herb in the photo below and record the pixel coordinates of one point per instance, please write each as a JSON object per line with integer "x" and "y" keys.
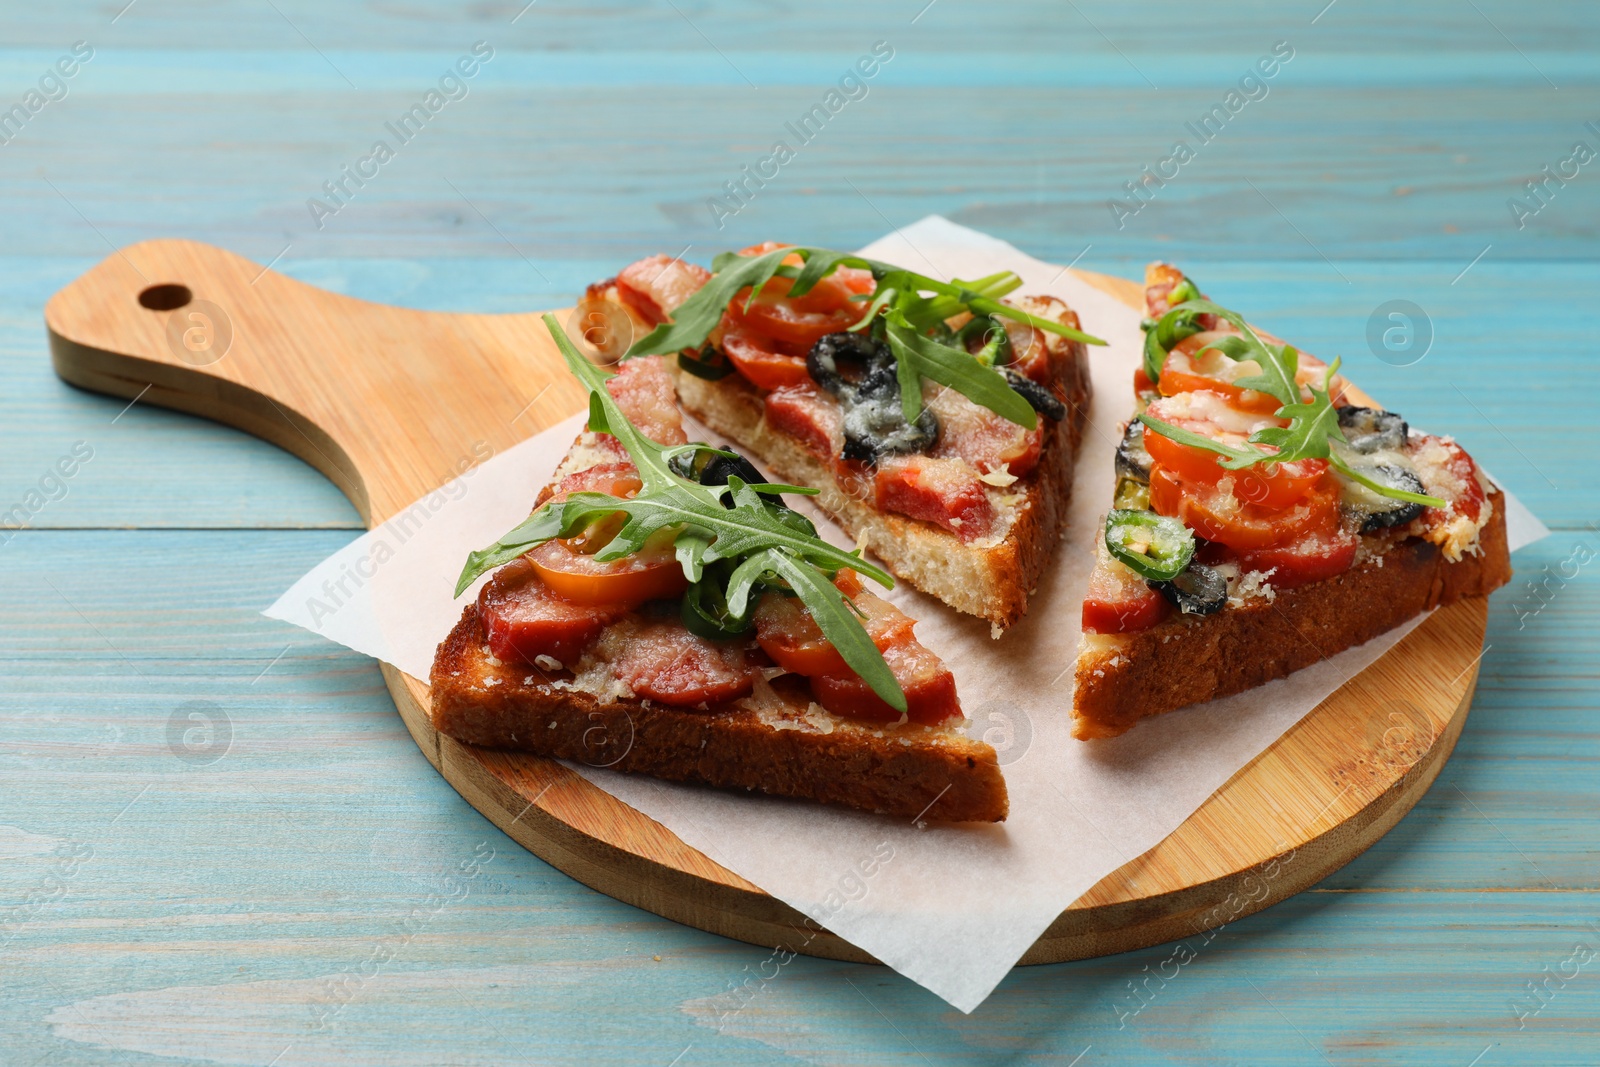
{"x": 1390, "y": 491}
{"x": 913, "y": 308}
{"x": 732, "y": 550}
{"x": 1313, "y": 427}
{"x": 918, "y": 356}
{"x": 1152, "y": 546}
{"x": 996, "y": 350}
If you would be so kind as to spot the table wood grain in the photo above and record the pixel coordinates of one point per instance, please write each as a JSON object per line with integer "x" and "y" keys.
{"x": 285, "y": 880}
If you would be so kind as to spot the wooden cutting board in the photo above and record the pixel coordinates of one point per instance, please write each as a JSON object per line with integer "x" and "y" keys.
{"x": 386, "y": 401}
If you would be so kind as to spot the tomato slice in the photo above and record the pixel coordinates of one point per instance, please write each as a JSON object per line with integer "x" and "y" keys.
{"x": 523, "y": 619}
{"x": 798, "y": 322}
{"x": 929, "y": 687}
{"x": 650, "y": 574}
{"x": 787, "y": 632}
{"x": 1320, "y": 555}
{"x": 1120, "y": 602}
{"x": 828, "y": 293}
{"x": 792, "y": 324}
{"x": 1215, "y": 513}
{"x": 1275, "y": 485}
{"x": 1182, "y": 373}
{"x": 761, "y": 363}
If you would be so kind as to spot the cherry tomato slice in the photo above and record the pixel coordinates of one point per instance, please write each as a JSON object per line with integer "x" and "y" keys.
{"x": 629, "y": 581}
{"x": 1181, "y": 373}
{"x": 1274, "y": 485}
{"x": 787, "y": 632}
{"x": 794, "y": 323}
{"x": 929, "y": 687}
{"x": 1216, "y": 514}
{"x": 761, "y": 363}
{"x": 1310, "y": 559}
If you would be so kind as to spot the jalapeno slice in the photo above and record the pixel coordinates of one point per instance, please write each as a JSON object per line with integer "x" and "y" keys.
{"x": 1152, "y": 546}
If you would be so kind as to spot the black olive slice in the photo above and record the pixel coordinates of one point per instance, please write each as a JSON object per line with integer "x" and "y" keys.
{"x": 1038, "y": 397}
{"x": 874, "y": 422}
{"x": 1133, "y": 461}
{"x": 875, "y": 426}
{"x": 719, "y": 468}
{"x": 822, "y": 362}
{"x": 1380, "y": 512}
{"x": 1199, "y": 590}
{"x": 1369, "y": 430}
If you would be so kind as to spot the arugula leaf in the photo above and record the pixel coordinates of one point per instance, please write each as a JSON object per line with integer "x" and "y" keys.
{"x": 532, "y": 532}
{"x": 690, "y": 547}
{"x": 918, "y": 356}
{"x": 1238, "y": 456}
{"x": 726, "y": 524}
{"x": 694, "y": 319}
{"x": 1378, "y": 487}
{"x": 1313, "y": 428}
{"x": 896, "y": 290}
{"x": 837, "y": 619}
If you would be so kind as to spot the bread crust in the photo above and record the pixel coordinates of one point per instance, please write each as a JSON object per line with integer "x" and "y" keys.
{"x": 911, "y": 772}
{"x": 1189, "y": 659}
{"x": 992, "y": 583}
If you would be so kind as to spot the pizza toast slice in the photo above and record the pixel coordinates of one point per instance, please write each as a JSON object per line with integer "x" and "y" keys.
{"x": 939, "y": 421}
{"x": 1267, "y": 515}
{"x": 663, "y": 612}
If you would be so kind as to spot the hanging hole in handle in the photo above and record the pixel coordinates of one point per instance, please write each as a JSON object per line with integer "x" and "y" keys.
{"x": 168, "y": 297}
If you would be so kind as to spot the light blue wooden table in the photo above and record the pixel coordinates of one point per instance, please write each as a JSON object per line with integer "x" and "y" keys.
{"x": 272, "y": 891}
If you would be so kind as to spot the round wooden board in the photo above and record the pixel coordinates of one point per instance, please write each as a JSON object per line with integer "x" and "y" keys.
{"x": 387, "y": 401}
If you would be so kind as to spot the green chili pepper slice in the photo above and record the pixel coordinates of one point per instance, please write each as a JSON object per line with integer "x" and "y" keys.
{"x": 1153, "y": 546}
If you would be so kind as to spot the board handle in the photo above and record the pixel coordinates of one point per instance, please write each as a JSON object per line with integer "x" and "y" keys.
{"x": 387, "y": 402}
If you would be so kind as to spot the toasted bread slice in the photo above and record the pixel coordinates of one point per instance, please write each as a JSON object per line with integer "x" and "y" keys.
{"x": 528, "y": 669}
{"x": 775, "y": 741}
{"x": 1188, "y": 659}
{"x": 1139, "y": 657}
{"x": 990, "y": 574}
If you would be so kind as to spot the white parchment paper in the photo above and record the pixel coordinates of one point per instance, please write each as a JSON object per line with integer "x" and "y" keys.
{"x": 952, "y": 908}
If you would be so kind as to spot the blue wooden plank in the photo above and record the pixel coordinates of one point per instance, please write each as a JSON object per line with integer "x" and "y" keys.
{"x": 237, "y": 905}
{"x": 1167, "y": 28}
{"x": 1048, "y": 61}
{"x": 1311, "y": 171}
